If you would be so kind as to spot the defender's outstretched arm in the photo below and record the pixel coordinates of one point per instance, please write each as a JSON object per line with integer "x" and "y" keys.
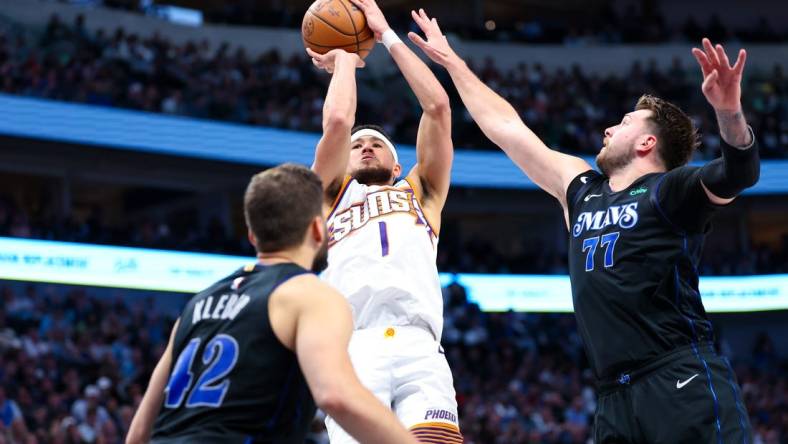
{"x": 739, "y": 167}
{"x": 500, "y": 122}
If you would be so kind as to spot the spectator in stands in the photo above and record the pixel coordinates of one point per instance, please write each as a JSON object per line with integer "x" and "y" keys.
{"x": 571, "y": 26}
{"x": 12, "y": 424}
{"x": 153, "y": 74}
{"x": 520, "y": 377}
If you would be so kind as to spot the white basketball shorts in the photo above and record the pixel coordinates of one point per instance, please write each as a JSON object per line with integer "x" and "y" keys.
{"x": 405, "y": 368}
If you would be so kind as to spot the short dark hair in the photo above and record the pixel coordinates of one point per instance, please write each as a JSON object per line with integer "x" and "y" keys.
{"x": 377, "y": 128}
{"x": 279, "y": 205}
{"x": 676, "y": 134}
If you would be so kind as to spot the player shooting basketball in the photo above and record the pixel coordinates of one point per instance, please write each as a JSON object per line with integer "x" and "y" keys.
{"x": 636, "y": 234}
{"x": 383, "y": 239}
{"x": 252, "y": 355}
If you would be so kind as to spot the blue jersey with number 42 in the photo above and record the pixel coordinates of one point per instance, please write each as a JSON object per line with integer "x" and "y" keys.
{"x": 231, "y": 379}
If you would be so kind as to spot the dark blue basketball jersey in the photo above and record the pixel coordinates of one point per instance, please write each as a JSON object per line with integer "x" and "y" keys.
{"x": 632, "y": 260}
{"x": 232, "y": 381}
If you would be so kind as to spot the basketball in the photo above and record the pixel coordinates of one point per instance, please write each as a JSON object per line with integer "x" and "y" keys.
{"x": 330, "y": 24}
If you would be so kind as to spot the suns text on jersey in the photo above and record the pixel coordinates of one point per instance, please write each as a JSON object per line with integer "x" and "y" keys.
{"x": 377, "y": 204}
{"x": 625, "y": 216}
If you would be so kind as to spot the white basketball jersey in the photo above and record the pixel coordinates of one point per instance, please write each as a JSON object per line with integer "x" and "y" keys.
{"x": 382, "y": 253}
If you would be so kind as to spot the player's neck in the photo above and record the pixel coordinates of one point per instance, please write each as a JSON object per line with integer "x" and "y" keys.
{"x": 378, "y": 183}
{"x": 624, "y": 177}
{"x": 298, "y": 257}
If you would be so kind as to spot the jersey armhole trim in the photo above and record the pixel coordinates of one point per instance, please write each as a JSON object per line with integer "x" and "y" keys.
{"x": 410, "y": 184}
{"x": 287, "y": 278}
{"x": 421, "y": 207}
{"x": 579, "y": 194}
{"x": 271, "y": 293}
{"x": 342, "y": 190}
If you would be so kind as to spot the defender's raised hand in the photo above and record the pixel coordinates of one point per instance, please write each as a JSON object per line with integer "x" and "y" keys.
{"x": 375, "y": 18}
{"x": 721, "y": 81}
{"x": 436, "y": 46}
{"x": 328, "y": 60}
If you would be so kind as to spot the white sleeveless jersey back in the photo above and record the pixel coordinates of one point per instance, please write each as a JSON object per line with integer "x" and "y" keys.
{"x": 382, "y": 254}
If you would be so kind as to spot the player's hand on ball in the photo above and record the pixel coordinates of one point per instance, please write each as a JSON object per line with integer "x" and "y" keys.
{"x": 436, "y": 46}
{"x": 721, "y": 81}
{"x": 375, "y": 18}
{"x": 329, "y": 60}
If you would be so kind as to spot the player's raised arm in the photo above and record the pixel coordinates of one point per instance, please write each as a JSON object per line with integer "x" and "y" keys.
{"x": 339, "y": 113}
{"x": 551, "y": 170}
{"x": 434, "y": 149}
{"x": 142, "y": 423}
{"x": 739, "y": 167}
{"x": 314, "y": 320}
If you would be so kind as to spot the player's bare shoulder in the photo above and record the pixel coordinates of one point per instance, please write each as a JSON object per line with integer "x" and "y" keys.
{"x": 299, "y": 296}
{"x": 306, "y": 290}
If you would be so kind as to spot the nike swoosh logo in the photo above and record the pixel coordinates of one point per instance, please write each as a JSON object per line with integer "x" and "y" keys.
{"x": 590, "y": 196}
{"x": 680, "y": 384}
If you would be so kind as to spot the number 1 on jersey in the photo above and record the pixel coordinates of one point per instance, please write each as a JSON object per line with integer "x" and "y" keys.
{"x": 384, "y": 238}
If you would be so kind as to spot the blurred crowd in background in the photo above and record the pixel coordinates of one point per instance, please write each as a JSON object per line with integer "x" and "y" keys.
{"x": 568, "y": 108}
{"x": 603, "y": 23}
{"x": 74, "y": 366}
{"x": 74, "y": 361}
{"x": 457, "y": 253}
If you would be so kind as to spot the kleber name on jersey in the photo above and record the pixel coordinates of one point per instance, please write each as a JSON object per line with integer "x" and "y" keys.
{"x": 377, "y": 204}
{"x": 227, "y": 306}
{"x": 625, "y": 216}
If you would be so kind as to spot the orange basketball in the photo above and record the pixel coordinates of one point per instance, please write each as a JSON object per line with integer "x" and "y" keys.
{"x": 330, "y": 24}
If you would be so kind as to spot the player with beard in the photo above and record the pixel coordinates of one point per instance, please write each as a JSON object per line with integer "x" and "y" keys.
{"x": 636, "y": 235}
{"x": 383, "y": 238}
{"x": 249, "y": 349}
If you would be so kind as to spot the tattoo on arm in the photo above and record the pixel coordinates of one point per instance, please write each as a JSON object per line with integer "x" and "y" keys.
{"x": 733, "y": 128}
